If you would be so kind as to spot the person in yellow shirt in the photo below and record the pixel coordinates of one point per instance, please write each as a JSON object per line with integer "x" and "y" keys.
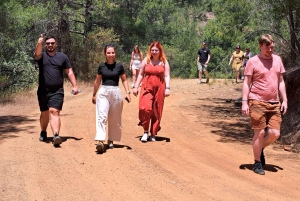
{"x": 237, "y": 57}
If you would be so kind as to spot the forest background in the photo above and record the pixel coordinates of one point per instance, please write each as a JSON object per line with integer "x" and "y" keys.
{"x": 83, "y": 27}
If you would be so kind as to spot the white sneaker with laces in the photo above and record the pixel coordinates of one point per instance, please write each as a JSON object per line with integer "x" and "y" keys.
{"x": 199, "y": 82}
{"x": 144, "y": 138}
{"x": 152, "y": 138}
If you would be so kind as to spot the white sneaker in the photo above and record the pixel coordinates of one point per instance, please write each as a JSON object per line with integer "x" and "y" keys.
{"x": 144, "y": 138}
{"x": 199, "y": 82}
{"x": 152, "y": 138}
{"x": 132, "y": 86}
{"x": 242, "y": 78}
{"x": 110, "y": 144}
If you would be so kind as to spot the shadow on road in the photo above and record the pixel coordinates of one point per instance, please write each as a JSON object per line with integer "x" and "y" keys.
{"x": 116, "y": 146}
{"x": 226, "y": 118}
{"x": 267, "y": 167}
{"x": 63, "y": 138}
{"x": 157, "y": 138}
{"x": 11, "y": 125}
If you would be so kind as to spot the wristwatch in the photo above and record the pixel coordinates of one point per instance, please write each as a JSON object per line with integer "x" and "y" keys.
{"x": 127, "y": 92}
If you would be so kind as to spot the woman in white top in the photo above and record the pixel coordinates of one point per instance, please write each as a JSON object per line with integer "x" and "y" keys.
{"x": 135, "y": 63}
{"x": 247, "y": 56}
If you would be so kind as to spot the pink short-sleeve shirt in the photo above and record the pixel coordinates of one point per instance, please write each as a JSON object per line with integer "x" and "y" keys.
{"x": 265, "y": 78}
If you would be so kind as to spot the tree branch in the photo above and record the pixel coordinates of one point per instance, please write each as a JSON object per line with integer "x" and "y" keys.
{"x": 76, "y": 32}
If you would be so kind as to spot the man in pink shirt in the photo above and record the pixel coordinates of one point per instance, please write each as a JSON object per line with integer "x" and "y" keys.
{"x": 264, "y": 98}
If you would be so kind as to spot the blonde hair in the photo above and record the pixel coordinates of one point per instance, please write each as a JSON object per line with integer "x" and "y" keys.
{"x": 266, "y": 38}
{"x": 162, "y": 56}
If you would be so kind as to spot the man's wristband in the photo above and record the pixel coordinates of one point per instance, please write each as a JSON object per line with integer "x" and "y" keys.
{"x": 167, "y": 87}
{"x": 245, "y": 100}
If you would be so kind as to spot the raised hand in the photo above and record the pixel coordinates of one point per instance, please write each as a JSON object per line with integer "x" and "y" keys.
{"x": 41, "y": 39}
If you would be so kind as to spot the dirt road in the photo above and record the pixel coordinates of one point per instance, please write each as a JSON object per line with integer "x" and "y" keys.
{"x": 203, "y": 152}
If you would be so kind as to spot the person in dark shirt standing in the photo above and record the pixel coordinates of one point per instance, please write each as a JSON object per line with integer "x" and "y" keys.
{"x": 202, "y": 61}
{"x": 50, "y": 90}
{"x": 108, "y": 99}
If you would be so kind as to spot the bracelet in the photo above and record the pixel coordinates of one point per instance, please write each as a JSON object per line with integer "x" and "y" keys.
{"x": 167, "y": 87}
{"x": 245, "y": 100}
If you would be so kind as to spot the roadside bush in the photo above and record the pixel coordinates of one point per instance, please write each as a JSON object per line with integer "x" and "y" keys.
{"x": 19, "y": 73}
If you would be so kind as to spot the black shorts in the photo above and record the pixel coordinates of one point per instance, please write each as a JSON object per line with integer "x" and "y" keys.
{"x": 50, "y": 98}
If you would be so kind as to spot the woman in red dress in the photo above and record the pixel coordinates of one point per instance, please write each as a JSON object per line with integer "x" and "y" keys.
{"x": 155, "y": 74}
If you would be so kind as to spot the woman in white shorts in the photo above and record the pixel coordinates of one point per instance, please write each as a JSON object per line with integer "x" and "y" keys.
{"x": 136, "y": 59}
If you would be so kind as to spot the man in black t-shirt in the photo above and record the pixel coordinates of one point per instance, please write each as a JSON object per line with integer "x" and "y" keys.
{"x": 50, "y": 91}
{"x": 202, "y": 61}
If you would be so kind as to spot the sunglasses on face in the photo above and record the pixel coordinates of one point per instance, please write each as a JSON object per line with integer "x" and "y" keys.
{"x": 50, "y": 43}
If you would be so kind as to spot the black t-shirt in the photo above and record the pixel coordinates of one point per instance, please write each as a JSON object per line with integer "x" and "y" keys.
{"x": 203, "y": 54}
{"x": 51, "y": 70}
{"x": 111, "y": 73}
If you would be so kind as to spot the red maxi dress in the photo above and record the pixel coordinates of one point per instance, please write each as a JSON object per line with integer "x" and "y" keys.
{"x": 152, "y": 97}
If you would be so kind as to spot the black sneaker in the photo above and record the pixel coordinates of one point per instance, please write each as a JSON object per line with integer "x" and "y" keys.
{"x": 56, "y": 140}
{"x": 258, "y": 169}
{"x": 43, "y": 136}
{"x": 262, "y": 158}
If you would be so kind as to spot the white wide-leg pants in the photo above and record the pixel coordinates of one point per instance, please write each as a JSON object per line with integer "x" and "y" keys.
{"x": 109, "y": 106}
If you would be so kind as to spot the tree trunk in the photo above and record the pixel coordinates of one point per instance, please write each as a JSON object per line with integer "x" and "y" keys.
{"x": 88, "y": 20}
{"x": 64, "y": 39}
{"x": 295, "y": 44}
{"x": 290, "y": 20}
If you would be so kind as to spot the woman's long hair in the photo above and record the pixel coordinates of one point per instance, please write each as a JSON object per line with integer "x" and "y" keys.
{"x": 136, "y": 47}
{"x": 162, "y": 56}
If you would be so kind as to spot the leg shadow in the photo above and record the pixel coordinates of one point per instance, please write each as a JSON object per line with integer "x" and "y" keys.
{"x": 63, "y": 138}
{"x": 157, "y": 138}
{"x": 267, "y": 167}
{"x": 116, "y": 146}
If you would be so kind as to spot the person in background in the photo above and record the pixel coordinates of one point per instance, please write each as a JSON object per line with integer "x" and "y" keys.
{"x": 202, "y": 62}
{"x": 155, "y": 73}
{"x": 136, "y": 59}
{"x": 108, "y": 99}
{"x": 247, "y": 56}
{"x": 50, "y": 90}
{"x": 237, "y": 58}
{"x": 263, "y": 88}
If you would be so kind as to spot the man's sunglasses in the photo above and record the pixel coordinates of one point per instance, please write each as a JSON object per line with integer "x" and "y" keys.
{"x": 50, "y": 43}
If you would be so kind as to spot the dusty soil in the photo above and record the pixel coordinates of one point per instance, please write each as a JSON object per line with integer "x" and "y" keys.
{"x": 203, "y": 152}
